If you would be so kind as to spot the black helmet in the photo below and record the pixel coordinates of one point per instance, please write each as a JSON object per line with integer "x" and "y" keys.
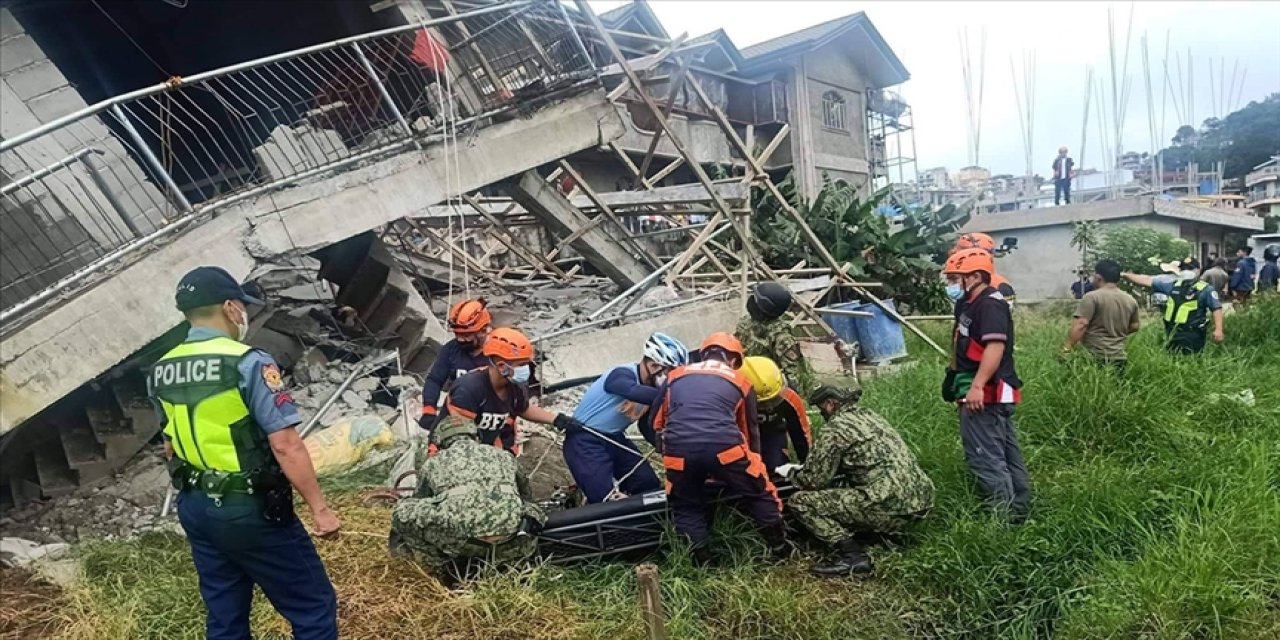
{"x": 768, "y": 301}
{"x": 1271, "y": 253}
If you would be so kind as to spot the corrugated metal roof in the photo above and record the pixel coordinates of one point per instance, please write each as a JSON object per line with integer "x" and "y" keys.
{"x": 808, "y": 34}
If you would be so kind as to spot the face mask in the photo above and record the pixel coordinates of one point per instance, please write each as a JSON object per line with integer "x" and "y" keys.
{"x": 1187, "y": 275}
{"x": 660, "y": 380}
{"x": 518, "y": 375}
{"x": 242, "y": 325}
{"x": 955, "y": 291}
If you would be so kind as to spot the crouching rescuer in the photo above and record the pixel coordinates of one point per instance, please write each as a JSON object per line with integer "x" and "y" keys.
{"x": 236, "y": 457}
{"x": 706, "y": 418}
{"x": 860, "y": 479}
{"x": 471, "y": 503}
{"x": 601, "y": 468}
{"x": 783, "y": 415}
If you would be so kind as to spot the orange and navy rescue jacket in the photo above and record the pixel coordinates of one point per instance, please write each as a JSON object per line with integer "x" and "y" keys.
{"x": 707, "y": 403}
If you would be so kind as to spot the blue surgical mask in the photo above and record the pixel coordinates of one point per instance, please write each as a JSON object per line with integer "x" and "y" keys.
{"x": 955, "y": 291}
{"x": 518, "y": 375}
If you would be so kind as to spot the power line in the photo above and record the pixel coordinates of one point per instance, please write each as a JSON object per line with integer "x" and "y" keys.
{"x": 131, "y": 40}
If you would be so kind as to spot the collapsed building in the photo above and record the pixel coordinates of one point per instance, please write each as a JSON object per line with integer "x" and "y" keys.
{"x": 374, "y": 161}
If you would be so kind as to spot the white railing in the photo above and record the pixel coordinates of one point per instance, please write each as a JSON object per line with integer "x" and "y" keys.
{"x": 96, "y": 185}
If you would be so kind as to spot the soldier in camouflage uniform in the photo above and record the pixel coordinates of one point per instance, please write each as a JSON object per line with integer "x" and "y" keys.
{"x": 471, "y": 503}
{"x": 764, "y": 333}
{"x": 859, "y": 478}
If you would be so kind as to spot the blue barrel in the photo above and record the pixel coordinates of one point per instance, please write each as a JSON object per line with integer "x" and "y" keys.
{"x": 879, "y": 337}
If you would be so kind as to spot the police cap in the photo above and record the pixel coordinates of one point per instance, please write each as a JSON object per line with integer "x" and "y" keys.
{"x": 204, "y": 286}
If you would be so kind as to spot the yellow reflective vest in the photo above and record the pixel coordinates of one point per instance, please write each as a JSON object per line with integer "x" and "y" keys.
{"x": 1182, "y": 309}
{"x": 197, "y": 384}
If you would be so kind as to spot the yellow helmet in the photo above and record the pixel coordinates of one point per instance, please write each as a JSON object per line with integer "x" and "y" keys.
{"x": 765, "y": 376}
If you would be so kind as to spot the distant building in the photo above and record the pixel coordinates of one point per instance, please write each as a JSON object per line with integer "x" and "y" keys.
{"x": 972, "y": 178}
{"x": 935, "y": 178}
{"x": 1262, "y": 188}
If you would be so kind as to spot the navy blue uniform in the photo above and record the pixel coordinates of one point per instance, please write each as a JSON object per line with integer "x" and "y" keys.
{"x": 473, "y": 398}
{"x": 454, "y": 361}
{"x": 706, "y": 418}
{"x": 610, "y": 405}
{"x": 235, "y": 547}
{"x": 786, "y": 420}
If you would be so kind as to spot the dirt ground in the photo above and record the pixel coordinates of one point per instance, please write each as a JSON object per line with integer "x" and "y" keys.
{"x": 29, "y": 607}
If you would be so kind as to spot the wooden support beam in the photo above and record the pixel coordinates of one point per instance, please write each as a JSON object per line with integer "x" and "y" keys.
{"x": 466, "y": 258}
{"x": 513, "y": 243}
{"x": 723, "y": 208}
{"x": 631, "y": 166}
{"x": 607, "y": 211}
{"x": 666, "y": 171}
{"x": 677, "y": 81}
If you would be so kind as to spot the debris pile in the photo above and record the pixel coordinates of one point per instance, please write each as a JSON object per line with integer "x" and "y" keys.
{"x": 117, "y": 506}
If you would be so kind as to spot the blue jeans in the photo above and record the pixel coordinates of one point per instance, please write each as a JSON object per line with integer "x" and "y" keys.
{"x": 234, "y": 547}
{"x": 595, "y": 464}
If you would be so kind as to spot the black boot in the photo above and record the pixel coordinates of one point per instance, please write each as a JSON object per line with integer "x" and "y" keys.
{"x": 852, "y": 560}
{"x": 702, "y": 556}
{"x": 775, "y": 536}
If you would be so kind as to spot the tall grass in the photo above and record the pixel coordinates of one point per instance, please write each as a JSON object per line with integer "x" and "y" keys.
{"x": 1156, "y": 515}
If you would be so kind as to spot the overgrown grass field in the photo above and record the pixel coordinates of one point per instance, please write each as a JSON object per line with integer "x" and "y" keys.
{"x": 1156, "y": 515}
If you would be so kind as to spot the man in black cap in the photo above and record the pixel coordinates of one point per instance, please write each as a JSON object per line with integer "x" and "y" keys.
{"x": 764, "y": 333}
{"x": 235, "y": 457}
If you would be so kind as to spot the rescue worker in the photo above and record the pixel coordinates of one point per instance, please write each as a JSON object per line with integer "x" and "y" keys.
{"x": 782, "y": 413}
{"x": 706, "y": 418}
{"x": 235, "y": 457}
{"x": 1269, "y": 275}
{"x": 611, "y": 404}
{"x": 983, "y": 380}
{"x": 494, "y": 396}
{"x": 1188, "y": 305}
{"x": 471, "y": 503}
{"x": 470, "y": 323}
{"x": 988, "y": 244}
{"x": 860, "y": 478}
{"x": 763, "y": 333}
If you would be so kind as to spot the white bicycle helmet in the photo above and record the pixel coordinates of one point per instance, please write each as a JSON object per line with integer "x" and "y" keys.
{"x": 666, "y": 351}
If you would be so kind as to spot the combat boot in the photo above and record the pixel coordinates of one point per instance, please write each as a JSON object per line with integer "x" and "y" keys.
{"x": 775, "y": 536}
{"x": 852, "y": 560}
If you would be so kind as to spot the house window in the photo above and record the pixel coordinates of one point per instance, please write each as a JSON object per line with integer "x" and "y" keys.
{"x": 833, "y": 111}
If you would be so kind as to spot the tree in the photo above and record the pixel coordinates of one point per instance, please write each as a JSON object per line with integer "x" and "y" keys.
{"x": 1141, "y": 249}
{"x": 1084, "y": 237}
{"x": 1242, "y": 140}
{"x": 905, "y": 254}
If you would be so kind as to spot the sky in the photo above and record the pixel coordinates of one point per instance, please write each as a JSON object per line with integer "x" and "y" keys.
{"x": 1065, "y": 38}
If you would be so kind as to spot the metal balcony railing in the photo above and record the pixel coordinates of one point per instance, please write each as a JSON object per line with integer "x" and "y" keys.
{"x": 96, "y": 185}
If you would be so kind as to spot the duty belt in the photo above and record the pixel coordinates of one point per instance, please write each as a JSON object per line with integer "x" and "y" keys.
{"x": 214, "y": 483}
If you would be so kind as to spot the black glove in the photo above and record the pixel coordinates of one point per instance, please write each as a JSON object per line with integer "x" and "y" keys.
{"x": 567, "y": 423}
{"x": 426, "y": 421}
{"x": 529, "y": 527}
{"x": 949, "y": 386}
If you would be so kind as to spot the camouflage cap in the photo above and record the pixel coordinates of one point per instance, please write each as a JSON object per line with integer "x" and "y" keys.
{"x": 452, "y": 427}
{"x": 845, "y": 394}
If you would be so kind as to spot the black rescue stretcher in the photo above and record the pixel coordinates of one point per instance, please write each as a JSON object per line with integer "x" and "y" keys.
{"x": 630, "y": 526}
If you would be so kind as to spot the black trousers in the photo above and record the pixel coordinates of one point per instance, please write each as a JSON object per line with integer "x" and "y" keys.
{"x": 1061, "y": 190}
{"x": 740, "y": 470}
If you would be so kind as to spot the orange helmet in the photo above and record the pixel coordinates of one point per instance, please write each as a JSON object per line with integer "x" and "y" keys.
{"x": 966, "y": 261}
{"x": 469, "y": 316}
{"x": 723, "y": 340}
{"x": 508, "y": 344}
{"x": 975, "y": 241}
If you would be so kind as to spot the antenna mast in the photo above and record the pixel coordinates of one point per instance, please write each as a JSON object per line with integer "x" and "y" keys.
{"x": 1024, "y": 93}
{"x": 973, "y": 89}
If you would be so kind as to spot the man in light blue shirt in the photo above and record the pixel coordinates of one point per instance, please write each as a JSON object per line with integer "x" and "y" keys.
{"x": 612, "y": 403}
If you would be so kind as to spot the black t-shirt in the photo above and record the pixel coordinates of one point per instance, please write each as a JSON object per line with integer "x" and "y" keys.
{"x": 472, "y": 397}
{"x": 980, "y": 321}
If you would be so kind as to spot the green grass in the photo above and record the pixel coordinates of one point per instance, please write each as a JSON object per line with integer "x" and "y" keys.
{"x": 1156, "y": 515}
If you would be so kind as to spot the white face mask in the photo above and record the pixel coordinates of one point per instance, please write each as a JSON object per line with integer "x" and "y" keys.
{"x": 242, "y": 325}
{"x": 1187, "y": 275}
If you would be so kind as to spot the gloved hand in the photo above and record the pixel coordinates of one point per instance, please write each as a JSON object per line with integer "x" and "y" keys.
{"x": 949, "y": 386}
{"x": 427, "y": 420}
{"x": 529, "y": 527}
{"x": 785, "y": 470}
{"x": 567, "y": 423}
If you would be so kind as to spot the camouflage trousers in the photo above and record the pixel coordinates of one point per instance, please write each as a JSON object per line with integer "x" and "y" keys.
{"x": 835, "y": 515}
{"x": 435, "y": 550}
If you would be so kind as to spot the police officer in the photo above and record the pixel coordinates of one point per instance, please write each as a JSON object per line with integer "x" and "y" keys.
{"x": 470, "y": 503}
{"x": 236, "y": 457}
{"x": 706, "y": 418}
{"x": 763, "y": 333}
{"x": 860, "y": 478}
{"x": 1189, "y": 303}
{"x": 783, "y": 415}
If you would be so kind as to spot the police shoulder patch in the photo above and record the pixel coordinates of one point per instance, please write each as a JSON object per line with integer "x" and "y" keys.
{"x": 271, "y": 376}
